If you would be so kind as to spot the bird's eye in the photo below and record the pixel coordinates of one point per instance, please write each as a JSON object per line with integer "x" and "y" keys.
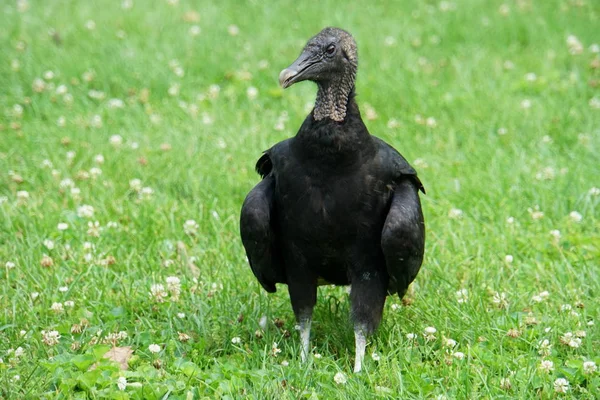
{"x": 330, "y": 50}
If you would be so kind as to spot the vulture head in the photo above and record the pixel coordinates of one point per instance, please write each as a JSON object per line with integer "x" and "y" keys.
{"x": 330, "y": 60}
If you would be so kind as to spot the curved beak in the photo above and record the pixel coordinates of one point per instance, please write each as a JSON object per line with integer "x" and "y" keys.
{"x": 297, "y": 71}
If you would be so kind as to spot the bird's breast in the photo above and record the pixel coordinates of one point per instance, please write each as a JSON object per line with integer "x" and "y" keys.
{"x": 332, "y": 208}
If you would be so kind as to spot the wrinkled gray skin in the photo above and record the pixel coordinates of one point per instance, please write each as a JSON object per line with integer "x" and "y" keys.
{"x": 330, "y": 60}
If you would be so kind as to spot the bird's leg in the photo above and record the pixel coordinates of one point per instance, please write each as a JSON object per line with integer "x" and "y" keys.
{"x": 305, "y": 337}
{"x": 360, "y": 339}
{"x": 303, "y": 294}
{"x": 367, "y": 298}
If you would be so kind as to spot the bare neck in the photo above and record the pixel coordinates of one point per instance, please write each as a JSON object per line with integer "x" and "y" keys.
{"x": 332, "y": 97}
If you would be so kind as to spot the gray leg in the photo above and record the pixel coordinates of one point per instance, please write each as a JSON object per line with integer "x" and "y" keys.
{"x": 367, "y": 299}
{"x": 361, "y": 343}
{"x": 305, "y": 338}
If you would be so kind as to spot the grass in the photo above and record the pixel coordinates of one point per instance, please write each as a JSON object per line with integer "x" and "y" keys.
{"x": 448, "y": 87}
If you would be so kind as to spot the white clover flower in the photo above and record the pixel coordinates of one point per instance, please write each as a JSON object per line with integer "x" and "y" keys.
{"x": 213, "y": 91}
{"x": 233, "y": 30}
{"x": 458, "y": 355}
{"x": 375, "y": 356}
{"x": 66, "y": 183}
{"x": 95, "y": 172}
{"x": 146, "y": 192}
{"x": 589, "y": 367}
{"x": 508, "y": 259}
{"x": 96, "y": 121}
{"x": 9, "y": 265}
{"x": 195, "y": 30}
{"x": 122, "y": 383}
{"x": 63, "y": 289}
{"x": 94, "y": 228}
{"x": 252, "y": 92}
{"x": 174, "y": 89}
{"x": 462, "y": 295}
{"x": 429, "y": 333}
{"x": 535, "y": 213}
{"x": 116, "y": 140}
{"x": 566, "y": 307}
{"x": 181, "y": 315}
{"x": 555, "y": 233}
{"x": 449, "y": 342}
{"x": 420, "y": 163}
{"x": 57, "y": 307}
{"x": 207, "y": 119}
{"x": 574, "y": 45}
{"x": 158, "y": 293}
{"x": 17, "y": 110}
{"x": 594, "y": 191}
{"x": 411, "y": 336}
{"x": 395, "y": 306}
{"x": 135, "y": 185}
{"x": 455, "y": 213}
{"x": 275, "y": 350}
{"x": 99, "y": 159}
{"x": 546, "y": 366}
{"x": 154, "y": 348}
{"x": 262, "y": 322}
{"x": 505, "y": 384}
{"x": 510, "y": 220}
{"x": 50, "y": 338}
{"x": 575, "y": 216}
{"x": 49, "y": 244}
{"x": 174, "y": 286}
{"x": 236, "y": 340}
{"x": 115, "y": 103}
{"x": 190, "y": 227}
{"x": 340, "y": 378}
{"x": 500, "y": 300}
{"x": 526, "y": 104}
{"x": 22, "y": 195}
{"x": 19, "y": 351}
{"x": 580, "y": 334}
{"x": 47, "y": 164}
{"x": 561, "y": 385}
{"x": 85, "y": 211}
{"x": 34, "y": 295}
{"x": 566, "y": 337}
{"x": 38, "y": 85}
{"x": 69, "y": 303}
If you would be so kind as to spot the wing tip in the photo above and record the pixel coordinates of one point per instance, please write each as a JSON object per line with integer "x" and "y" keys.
{"x": 264, "y": 165}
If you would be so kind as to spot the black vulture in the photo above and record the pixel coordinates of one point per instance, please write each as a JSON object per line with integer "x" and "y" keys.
{"x": 335, "y": 205}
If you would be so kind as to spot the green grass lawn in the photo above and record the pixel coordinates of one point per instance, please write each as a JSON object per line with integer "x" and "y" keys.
{"x": 136, "y": 126}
